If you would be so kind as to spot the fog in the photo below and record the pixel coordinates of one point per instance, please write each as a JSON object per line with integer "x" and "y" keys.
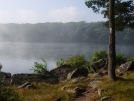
{"x": 23, "y": 44}
{"x": 20, "y": 57}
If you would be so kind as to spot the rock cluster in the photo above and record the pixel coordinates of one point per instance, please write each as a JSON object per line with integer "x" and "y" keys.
{"x": 22, "y": 78}
{"x": 128, "y": 66}
{"x": 5, "y": 78}
{"x": 53, "y": 77}
{"x": 62, "y": 71}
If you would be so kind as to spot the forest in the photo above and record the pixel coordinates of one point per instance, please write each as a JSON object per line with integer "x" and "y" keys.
{"x": 70, "y": 32}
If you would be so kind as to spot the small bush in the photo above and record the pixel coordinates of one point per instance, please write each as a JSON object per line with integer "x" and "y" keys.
{"x": 87, "y": 64}
{"x": 76, "y": 61}
{"x": 7, "y": 94}
{"x": 120, "y": 58}
{"x": 131, "y": 58}
{"x": 60, "y": 62}
{"x": 39, "y": 68}
{"x": 99, "y": 54}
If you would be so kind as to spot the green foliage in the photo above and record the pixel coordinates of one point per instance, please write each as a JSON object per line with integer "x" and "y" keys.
{"x": 131, "y": 58}
{"x": 120, "y": 58}
{"x": 99, "y": 54}
{"x": 60, "y": 62}
{"x": 39, "y": 68}
{"x": 80, "y": 61}
{"x": 76, "y": 61}
{"x": 123, "y": 11}
{"x": 87, "y": 64}
{"x": 8, "y": 94}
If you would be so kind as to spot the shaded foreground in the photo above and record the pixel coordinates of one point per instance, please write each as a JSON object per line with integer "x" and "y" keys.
{"x": 120, "y": 90}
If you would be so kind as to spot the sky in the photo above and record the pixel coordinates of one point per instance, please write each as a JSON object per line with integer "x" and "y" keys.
{"x": 41, "y": 11}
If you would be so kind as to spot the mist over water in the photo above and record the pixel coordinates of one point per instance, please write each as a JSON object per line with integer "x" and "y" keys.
{"x": 20, "y": 57}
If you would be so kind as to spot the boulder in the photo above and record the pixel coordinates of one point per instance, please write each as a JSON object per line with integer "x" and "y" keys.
{"x": 78, "y": 72}
{"x": 71, "y": 89}
{"x": 128, "y": 66}
{"x": 5, "y": 78}
{"x": 23, "y": 78}
{"x": 79, "y": 79}
{"x": 58, "y": 99}
{"x": 24, "y": 85}
{"x": 102, "y": 63}
{"x": 95, "y": 84}
{"x": 106, "y": 98}
{"x": 100, "y": 74}
{"x": 62, "y": 72}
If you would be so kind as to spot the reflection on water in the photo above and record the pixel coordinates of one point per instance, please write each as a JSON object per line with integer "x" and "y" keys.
{"x": 20, "y": 57}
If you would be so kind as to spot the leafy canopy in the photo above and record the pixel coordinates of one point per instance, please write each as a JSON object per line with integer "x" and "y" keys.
{"x": 124, "y": 12}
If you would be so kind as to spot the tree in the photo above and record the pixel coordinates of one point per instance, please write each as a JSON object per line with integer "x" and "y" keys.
{"x": 120, "y": 15}
{"x": 123, "y": 12}
{"x": 111, "y": 49}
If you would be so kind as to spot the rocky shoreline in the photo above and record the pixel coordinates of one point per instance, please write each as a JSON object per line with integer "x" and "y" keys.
{"x": 67, "y": 72}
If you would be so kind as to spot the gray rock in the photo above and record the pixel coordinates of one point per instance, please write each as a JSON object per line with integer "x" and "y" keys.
{"x": 128, "y": 66}
{"x": 97, "y": 76}
{"x": 62, "y": 72}
{"x": 95, "y": 84}
{"x": 96, "y": 66}
{"x": 58, "y": 99}
{"x": 100, "y": 91}
{"x": 79, "y": 90}
{"x": 22, "y": 78}
{"x": 5, "y": 78}
{"x": 79, "y": 79}
{"x": 105, "y": 98}
{"x": 67, "y": 87}
{"x": 78, "y": 72}
{"x": 24, "y": 85}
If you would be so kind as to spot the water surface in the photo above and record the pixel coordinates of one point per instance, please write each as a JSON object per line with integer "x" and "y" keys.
{"x": 20, "y": 57}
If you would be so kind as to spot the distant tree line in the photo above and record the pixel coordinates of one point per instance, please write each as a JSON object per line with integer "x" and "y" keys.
{"x": 70, "y": 32}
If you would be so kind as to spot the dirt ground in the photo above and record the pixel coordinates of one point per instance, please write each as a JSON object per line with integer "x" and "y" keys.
{"x": 89, "y": 96}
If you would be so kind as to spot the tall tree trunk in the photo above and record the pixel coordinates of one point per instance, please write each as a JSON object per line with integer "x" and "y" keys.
{"x": 111, "y": 48}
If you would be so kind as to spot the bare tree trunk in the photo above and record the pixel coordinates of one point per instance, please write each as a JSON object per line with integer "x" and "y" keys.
{"x": 111, "y": 48}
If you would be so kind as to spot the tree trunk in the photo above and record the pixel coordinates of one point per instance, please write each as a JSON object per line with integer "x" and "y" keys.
{"x": 111, "y": 49}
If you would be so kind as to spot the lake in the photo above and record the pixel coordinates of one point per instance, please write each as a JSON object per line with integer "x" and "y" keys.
{"x": 20, "y": 57}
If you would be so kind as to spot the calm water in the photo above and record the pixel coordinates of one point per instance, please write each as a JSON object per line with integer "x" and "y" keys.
{"x": 20, "y": 57}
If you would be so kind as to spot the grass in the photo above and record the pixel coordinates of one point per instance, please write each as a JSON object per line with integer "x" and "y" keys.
{"x": 49, "y": 92}
{"x": 121, "y": 90}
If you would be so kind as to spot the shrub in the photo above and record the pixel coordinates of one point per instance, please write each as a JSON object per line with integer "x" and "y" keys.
{"x": 98, "y": 54}
{"x": 76, "y": 61}
{"x": 60, "y": 62}
{"x": 87, "y": 64}
{"x": 131, "y": 58}
{"x": 7, "y": 94}
{"x": 120, "y": 58}
{"x": 39, "y": 68}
